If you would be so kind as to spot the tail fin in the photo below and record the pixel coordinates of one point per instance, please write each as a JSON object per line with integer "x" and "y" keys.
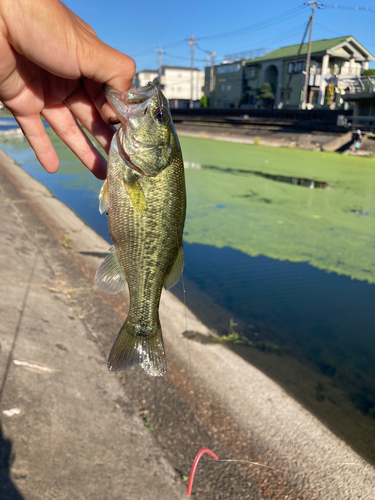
{"x": 131, "y": 349}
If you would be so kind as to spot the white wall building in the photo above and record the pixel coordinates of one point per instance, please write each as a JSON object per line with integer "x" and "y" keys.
{"x": 176, "y": 83}
{"x": 143, "y": 77}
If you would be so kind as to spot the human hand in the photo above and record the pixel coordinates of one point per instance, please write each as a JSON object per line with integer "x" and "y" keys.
{"x": 53, "y": 64}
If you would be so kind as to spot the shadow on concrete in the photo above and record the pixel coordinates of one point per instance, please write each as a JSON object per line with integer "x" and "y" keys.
{"x": 8, "y": 490}
{"x": 102, "y": 255}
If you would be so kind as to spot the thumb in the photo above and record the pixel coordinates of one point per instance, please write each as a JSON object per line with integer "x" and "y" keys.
{"x": 101, "y": 64}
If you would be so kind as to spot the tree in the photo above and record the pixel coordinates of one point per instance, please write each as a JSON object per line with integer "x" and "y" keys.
{"x": 266, "y": 94}
{"x": 330, "y": 94}
{"x": 368, "y": 72}
{"x": 203, "y": 101}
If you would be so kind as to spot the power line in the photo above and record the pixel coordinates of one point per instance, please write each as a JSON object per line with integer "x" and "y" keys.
{"x": 268, "y": 42}
{"x": 281, "y": 36}
{"x": 182, "y": 57}
{"x": 339, "y": 34}
{"x": 289, "y": 14}
{"x": 369, "y": 9}
{"x": 258, "y": 26}
{"x": 267, "y": 23}
{"x": 210, "y": 52}
{"x": 147, "y": 51}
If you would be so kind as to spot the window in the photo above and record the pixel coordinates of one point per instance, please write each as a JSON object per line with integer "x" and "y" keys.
{"x": 228, "y": 68}
{"x": 233, "y": 86}
{"x": 251, "y": 73}
{"x": 297, "y": 67}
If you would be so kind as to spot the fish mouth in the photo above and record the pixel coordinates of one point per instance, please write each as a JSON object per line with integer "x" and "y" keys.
{"x": 127, "y": 105}
{"x": 134, "y": 96}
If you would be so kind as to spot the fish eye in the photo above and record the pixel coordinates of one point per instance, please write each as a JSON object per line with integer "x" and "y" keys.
{"x": 160, "y": 115}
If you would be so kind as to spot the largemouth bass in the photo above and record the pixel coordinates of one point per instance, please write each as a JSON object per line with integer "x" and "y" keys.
{"x": 144, "y": 197}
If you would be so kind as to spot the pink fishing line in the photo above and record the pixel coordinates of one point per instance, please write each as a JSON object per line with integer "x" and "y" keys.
{"x": 194, "y": 467}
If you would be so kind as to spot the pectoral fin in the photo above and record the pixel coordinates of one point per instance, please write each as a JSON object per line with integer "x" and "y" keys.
{"x": 109, "y": 277}
{"x": 137, "y": 198}
{"x": 176, "y": 270}
{"x": 103, "y": 197}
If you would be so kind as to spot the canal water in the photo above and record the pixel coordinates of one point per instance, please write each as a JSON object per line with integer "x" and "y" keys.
{"x": 279, "y": 262}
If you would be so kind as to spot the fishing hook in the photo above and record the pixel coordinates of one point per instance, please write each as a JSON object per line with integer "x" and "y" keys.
{"x": 194, "y": 467}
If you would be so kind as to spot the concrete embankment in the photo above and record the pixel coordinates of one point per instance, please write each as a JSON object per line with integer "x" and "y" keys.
{"x": 68, "y": 430}
{"x": 75, "y": 430}
{"x": 277, "y": 136}
{"x": 274, "y": 136}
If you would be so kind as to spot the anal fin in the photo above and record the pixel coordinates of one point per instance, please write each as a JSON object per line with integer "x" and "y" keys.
{"x": 109, "y": 277}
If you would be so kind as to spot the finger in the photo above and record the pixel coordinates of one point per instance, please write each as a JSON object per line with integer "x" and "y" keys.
{"x": 95, "y": 92}
{"x": 67, "y": 128}
{"x": 84, "y": 110}
{"x": 35, "y": 133}
{"x": 109, "y": 66}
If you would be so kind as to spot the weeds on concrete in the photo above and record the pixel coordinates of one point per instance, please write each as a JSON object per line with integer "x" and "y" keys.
{"x": 149, "y": 424}
{"x": 66, "y": 241}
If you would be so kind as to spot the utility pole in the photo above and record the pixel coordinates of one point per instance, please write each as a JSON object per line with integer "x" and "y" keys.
{"x": 192, "y": 41}
{"x": 280, "y": 105}
{"x": 213, "y": 55}
{"x": 314, "y": 5}
{"x": 161, "y": 52}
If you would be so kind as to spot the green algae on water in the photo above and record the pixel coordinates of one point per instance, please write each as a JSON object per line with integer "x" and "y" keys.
{"x": 331, "y": 229}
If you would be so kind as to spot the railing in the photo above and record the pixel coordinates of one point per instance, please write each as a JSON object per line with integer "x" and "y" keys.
{"x": 359, "y": 84}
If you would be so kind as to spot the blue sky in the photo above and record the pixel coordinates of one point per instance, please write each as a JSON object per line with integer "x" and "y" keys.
{"x": 225, "y": 27}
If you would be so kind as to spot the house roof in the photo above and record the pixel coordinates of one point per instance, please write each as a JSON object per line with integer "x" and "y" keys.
{"x": 148, "y": 71}
{"x": 185, "y": 68}
{"x": 316, "y": 47}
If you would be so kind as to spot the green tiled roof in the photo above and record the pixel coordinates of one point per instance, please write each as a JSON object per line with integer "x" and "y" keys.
{"x": 292, "y": 50}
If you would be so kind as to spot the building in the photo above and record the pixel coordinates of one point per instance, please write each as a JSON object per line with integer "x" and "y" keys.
{"x": 333, "y": 62}
{"x": 224, "y": 85}
{"x": 361, "y": 93}
{"x": 179, "y": 84}
{"x": 145, "y": 76}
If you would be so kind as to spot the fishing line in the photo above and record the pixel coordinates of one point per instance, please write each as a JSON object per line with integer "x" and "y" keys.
{"x": 246, "y": 462}
{"x": 188, "y": 352}
{"x": 216, "y": 459}
{"x": 186, "y": 322}
{"x": 160, "y": 103}
{"x": 332, "y": 464}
